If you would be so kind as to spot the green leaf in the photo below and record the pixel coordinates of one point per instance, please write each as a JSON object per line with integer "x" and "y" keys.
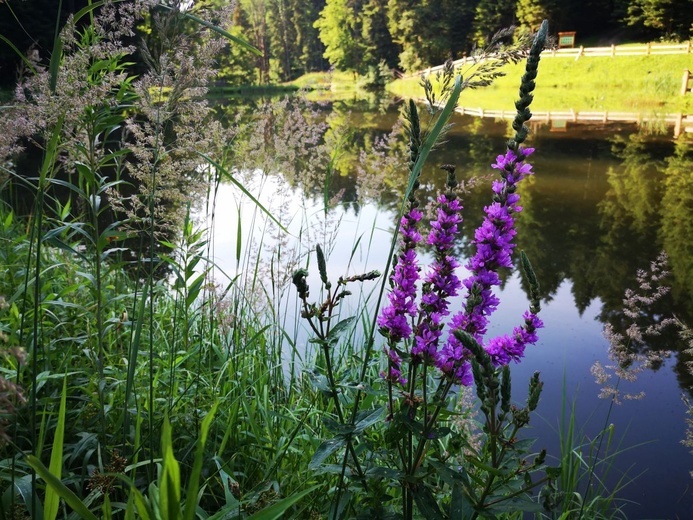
{"x": 143, "y": 508}
{"x": 427, "y": 504}
{"x": 454, "y": 478}
{"x": 523, "y": 445}
{"x": 106, "y": 510}
{"x": 552, "y": 472}
{"x": 516, "y": 504}
{"x": 326, "y": 449}
{"x": 70, "y": 498}
{"x": 336, "y": 427}
{"x": 369, "y": 420}
{"x": 169, "y": 485}
{"x": 382, "y": 472}
{"x": 50, "y": 509}
{"x": 8, "y": 220}
{"x": 24, "y": 58}
{"x": 51, "y": 154}
{"x": 460, "y": 504}
{"x": 227, "y": 513}
{"x": 430, "y": 141}
{"x": 194, "y": 289}
{"x": 57, "y": 53}
{"x": 239, "y": 238}
{"x": 338, "y": 330}
{"x": 485, "y": 467}
{"x": 194, "y": 484}
{"x": 232, "y": 502}
{"x": 24, "y": 488}
{"x": 277, "y": 509}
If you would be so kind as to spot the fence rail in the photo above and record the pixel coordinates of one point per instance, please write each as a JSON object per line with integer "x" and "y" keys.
{"x": 649, "y": 49}
{"x": 681, "y": 122}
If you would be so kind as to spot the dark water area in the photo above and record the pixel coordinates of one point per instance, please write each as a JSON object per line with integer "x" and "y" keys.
{"x": 604, "y": 202}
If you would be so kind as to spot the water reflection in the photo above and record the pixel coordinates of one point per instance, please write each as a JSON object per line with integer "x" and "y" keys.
{"x": 602, "y": 205}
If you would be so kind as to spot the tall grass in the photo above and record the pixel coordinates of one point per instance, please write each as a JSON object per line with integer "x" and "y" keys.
{"x": 133, "y": 350}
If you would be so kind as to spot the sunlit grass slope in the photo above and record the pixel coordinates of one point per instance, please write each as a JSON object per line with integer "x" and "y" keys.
{"x": 626, "y": 83}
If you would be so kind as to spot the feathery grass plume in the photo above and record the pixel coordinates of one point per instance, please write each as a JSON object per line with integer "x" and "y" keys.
{"x": 627, "y": 352}
{"x": 79, "y": 84}
{"x": 496, "y": 54}
{"x": 688, "y": 440}
{"x": 172, "y": 123}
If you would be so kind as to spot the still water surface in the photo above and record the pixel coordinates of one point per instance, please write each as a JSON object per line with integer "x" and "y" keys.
{"x": 603, "y": 203}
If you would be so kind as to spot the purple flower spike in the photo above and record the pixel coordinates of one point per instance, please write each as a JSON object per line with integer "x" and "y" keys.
{"x": 441, "y": 282}
{"x": 504, "y": 349}
{"x": 453, "y": 362}
{"x": 394, "y": 318}
{"x": 494, "y": 241}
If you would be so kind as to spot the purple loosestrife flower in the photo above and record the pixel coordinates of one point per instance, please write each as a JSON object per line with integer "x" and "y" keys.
{"x": 504, "y": 349}
{"x": 394, "y": 320}
{"x": 494, "y": 247}
{"x": 441, "y": 282}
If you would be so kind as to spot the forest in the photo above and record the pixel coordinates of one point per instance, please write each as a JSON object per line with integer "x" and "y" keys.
{"x": 296, "y": 37}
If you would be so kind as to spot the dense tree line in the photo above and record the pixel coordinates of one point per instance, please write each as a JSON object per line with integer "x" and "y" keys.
{"x": 362, "y": 35}
{"x": 300, "y": 36}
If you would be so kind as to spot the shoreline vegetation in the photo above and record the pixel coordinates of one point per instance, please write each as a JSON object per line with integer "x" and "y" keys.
{"x": 638, "y": 84}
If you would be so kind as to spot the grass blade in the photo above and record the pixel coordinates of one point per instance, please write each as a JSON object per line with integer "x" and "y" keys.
{"x": 56, "y": 465}
{"x": 169, "y": 487}
{"x": 247, "y": 46}
{"x": 194, "y": 485}
{"x": 223, "y": 170}
{"x": 29, "y": 65}
{"x": 66, "y": 494}
{"x": 277, "y": 509}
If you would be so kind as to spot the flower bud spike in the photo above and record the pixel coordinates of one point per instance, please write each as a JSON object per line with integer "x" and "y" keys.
{"x": 299, "y": 280}
{"x": 322, "y": 267}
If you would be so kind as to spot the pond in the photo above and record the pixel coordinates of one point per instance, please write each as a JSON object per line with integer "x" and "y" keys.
{"x": 604, "y": 202}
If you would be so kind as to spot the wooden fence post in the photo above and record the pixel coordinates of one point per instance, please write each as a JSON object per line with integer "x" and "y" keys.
{"x": 684, "y": 81}
{"x": 677, "y": 126}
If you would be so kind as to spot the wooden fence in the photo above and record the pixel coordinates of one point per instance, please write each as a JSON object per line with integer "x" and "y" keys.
{"x": 682, "y": 123}
{"x": 649, "y": 49}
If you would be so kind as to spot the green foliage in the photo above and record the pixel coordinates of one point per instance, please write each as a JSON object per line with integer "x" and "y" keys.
{"x": 430, "y": 31}
{"x": 491, "y": 16}
{"x": 339, "y": 28}
{"x": 530, "y": 13}
{"x": 666, "y": 18}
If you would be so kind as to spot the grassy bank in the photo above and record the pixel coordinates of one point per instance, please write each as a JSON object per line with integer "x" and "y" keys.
{"x": 629, "y": 84}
